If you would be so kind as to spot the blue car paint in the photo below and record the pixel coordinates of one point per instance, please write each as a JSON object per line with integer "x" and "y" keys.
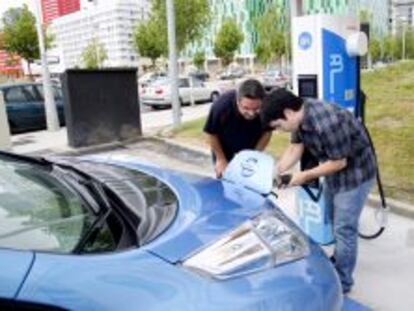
{"x": 14, "y": 266}
{"x": 145, "y": 278}
{"x": 136, "y": 280}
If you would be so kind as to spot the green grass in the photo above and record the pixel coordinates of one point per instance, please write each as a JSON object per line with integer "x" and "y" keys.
{"x": 390, "y": 120}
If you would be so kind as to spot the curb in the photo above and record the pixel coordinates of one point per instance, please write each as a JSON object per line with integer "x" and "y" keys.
{"x": 396, "y": 207}
{"x": 69, "y": 151}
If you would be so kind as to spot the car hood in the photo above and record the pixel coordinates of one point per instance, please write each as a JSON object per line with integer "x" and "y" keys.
{"x": 208, "y": 208}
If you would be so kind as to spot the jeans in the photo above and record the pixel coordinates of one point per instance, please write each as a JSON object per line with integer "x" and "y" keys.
{"x": 347, "y": 207}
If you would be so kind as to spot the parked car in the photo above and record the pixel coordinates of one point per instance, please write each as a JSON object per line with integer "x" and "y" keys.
{"x": 150, "y": 77}
{"x": 157, "y": 94}
{"x": 25, "y": 106}
{"x": 274, "y": 78}
{"x": 232, "y": 73}
{"x": 108, "y": 233}
{"x": 200, "y": 75}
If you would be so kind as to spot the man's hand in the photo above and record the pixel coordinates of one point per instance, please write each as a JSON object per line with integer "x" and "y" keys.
{"x": 299, "y": 179}
{"x": 221, "y": 165}
{"x": 282, "y": 181}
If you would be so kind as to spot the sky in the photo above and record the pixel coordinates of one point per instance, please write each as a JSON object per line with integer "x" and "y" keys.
{"x": 6, "y": 4}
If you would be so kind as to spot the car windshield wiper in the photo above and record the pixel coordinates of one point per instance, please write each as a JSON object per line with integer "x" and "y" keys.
{"x": 84, "y": 180}
{"x": 94, "y": 229}
{"x": 91, "y": 190}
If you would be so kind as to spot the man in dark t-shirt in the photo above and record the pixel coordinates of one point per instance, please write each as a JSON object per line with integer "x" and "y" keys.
{"x": 234, "y": 123}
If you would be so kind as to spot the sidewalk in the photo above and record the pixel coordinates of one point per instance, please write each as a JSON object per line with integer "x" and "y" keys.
{"x": 57, "y": 142}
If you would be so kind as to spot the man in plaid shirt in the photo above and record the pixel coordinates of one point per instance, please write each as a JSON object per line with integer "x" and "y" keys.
{"x": 340, "y": 144}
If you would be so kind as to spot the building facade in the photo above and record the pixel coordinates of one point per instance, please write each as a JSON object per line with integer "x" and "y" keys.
{"x": 52, "y": 9}
{"x": 246, "y": 11}
{"x": 402, "y": 15}
{"x": 111, "y": 23}
{"x": 380, "y": 16}
{"x": 342, "y": 7}
{"x": 10, "y": 66}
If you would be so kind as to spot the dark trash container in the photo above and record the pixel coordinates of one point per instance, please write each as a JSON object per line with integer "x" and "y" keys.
{"x": 101, "y": 106}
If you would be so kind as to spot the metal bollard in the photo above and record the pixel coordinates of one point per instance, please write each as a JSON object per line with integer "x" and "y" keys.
{"x": 5, "y": 142}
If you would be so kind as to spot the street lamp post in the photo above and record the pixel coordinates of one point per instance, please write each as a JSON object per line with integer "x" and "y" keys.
{"x": 172, "y": 64}
{"x": 52, "y": 120}
{"x": 403, "y": 40}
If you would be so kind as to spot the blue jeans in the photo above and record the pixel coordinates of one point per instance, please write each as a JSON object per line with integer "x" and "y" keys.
{"x": 347, "y": 207}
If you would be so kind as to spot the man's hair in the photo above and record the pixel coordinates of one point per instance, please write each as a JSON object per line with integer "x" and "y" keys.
{"x": 276, "y": 102}
{"x": 251, "y": 89}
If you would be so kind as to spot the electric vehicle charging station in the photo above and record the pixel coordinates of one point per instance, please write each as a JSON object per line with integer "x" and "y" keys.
{"x": 5, "y": 142}
{"x": 325, "y": 66}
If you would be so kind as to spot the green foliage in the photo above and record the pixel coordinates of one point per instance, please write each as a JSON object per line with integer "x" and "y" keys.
{"x": 374, "y": 49}
{"x": 390, "y": 47}
{"x": 365, "y": 16}
{"x": 393, "y": 45}
{"x": 94, "y": 55}
{"x": 19, "y": 33}
{"x": 228, "y": 41}
{"x": 409, "y": 43}
{"x": 148, "y": 41}
{"x": 191, "y": 19}
{"x": 198, "y": 59}
{"x": 272, "y": 42}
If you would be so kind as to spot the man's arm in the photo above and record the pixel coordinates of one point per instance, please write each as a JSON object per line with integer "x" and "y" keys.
{"x": 289, "y": 158}
{"x": 264, "y": 141}
{"x": 327, "y": 168}
{"x": 221, "y": 161}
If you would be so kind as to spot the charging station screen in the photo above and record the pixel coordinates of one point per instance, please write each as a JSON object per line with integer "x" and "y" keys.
{"x": 308, "y": 87}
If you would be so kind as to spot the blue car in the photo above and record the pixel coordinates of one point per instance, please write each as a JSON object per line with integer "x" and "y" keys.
{"x": 111, "y": 233}
{"x": 25, "y": 106}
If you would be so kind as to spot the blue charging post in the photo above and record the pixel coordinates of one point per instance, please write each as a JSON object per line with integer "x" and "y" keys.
{"x": 325, "y": 66}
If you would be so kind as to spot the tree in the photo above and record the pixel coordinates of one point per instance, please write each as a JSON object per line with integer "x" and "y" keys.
{"x": 148, "y": 41}
{"x": 191, "y": 19}
{"x": 365, "y": 16}
{"x": 271, "y": 38}
{"x": 374, "y": 49}
{"x": 20, "y": 36}
{"x": 409, "y": 43}
{"x": 390, "y": 48}
{"x": 94, "y": 55}
{"x": 198, "y": 59}
{"x": 228, "y": 41}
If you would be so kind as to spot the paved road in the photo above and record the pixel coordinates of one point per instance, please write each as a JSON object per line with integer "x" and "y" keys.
{"x": 385, "y": 271}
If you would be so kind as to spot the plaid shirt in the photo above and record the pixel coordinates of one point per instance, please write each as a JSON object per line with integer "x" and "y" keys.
{"x": 329, "y": 132}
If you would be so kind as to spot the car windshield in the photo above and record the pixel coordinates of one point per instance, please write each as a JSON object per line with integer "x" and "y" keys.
{"x": 37, "y": 211}
{"x": 160, "y": 81}
{"x": 71, "y": 206}
{"x": 273, "y": 72}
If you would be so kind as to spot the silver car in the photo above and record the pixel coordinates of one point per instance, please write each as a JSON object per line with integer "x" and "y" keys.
{"x": 158, "y": 95}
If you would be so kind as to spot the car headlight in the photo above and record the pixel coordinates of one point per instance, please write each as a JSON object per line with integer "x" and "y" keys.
{"x": 260, "y": 243}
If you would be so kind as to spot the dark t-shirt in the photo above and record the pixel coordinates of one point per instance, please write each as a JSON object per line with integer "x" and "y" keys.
{"x": 234, "y": 132}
